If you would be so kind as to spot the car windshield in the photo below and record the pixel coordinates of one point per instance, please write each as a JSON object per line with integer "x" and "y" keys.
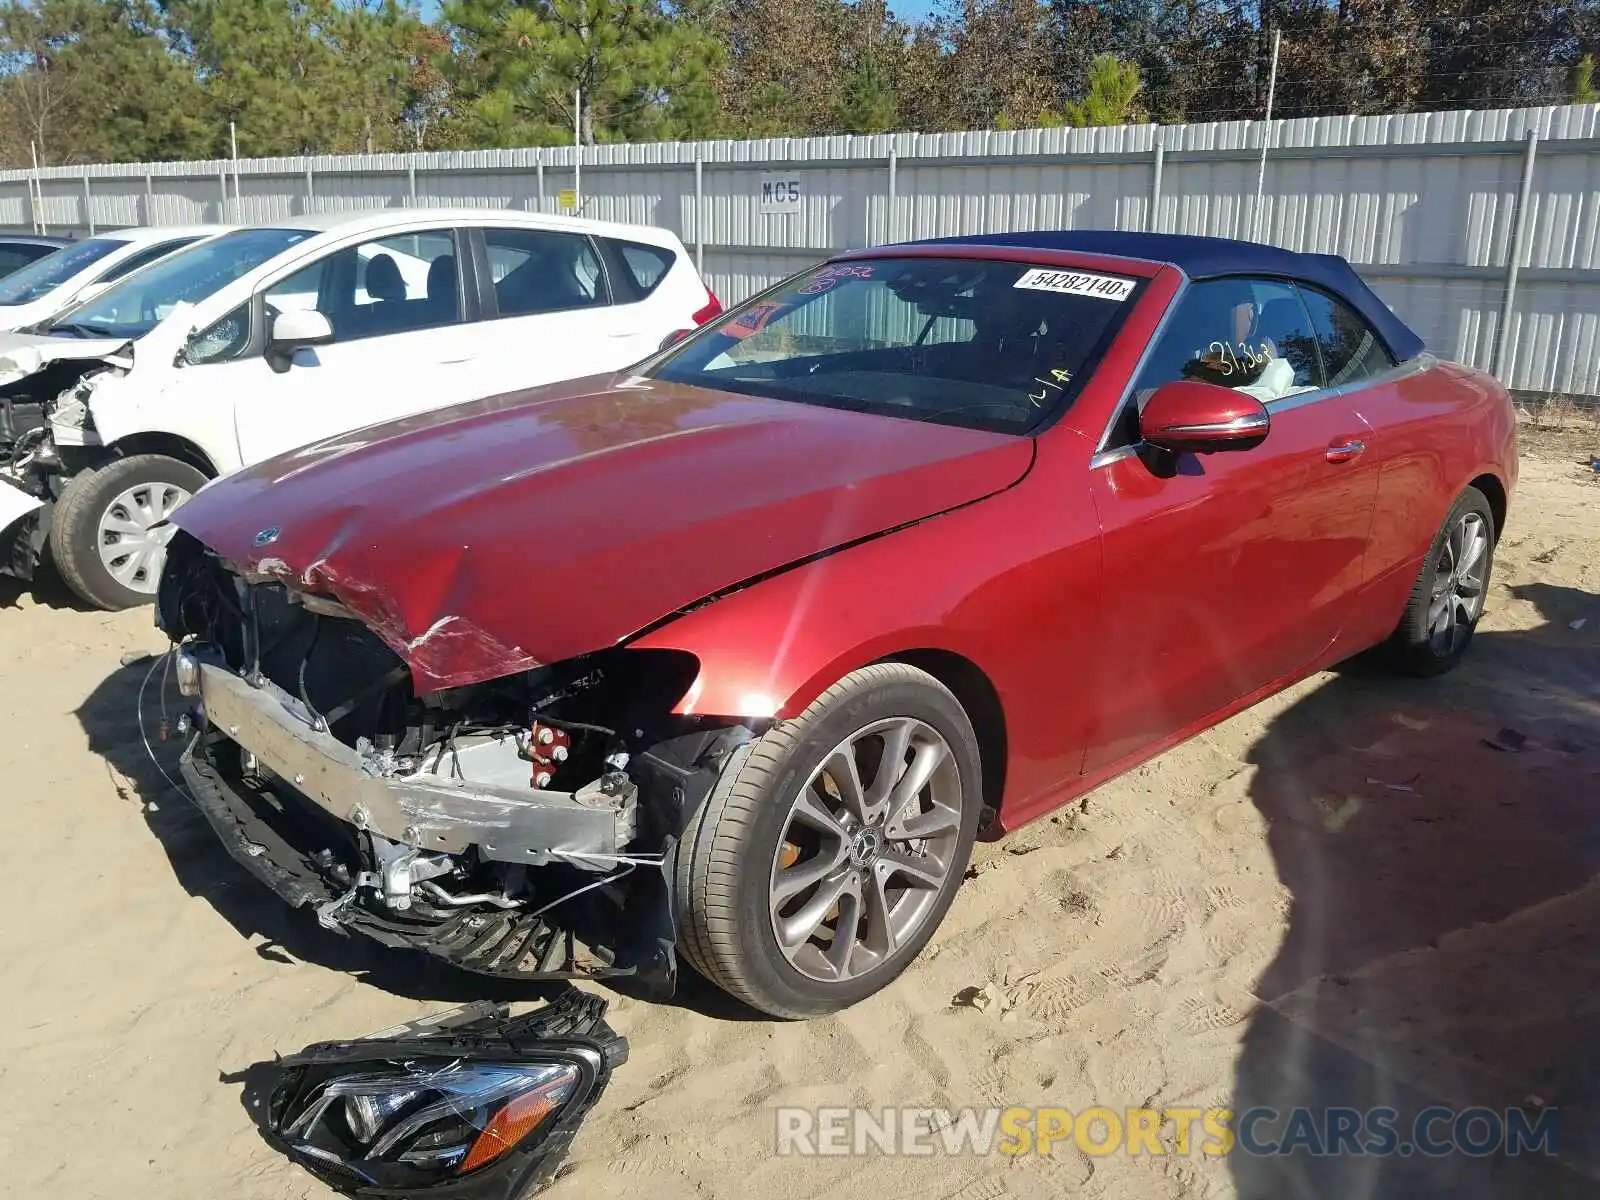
{"x": 981, "y": 343}
{"x": 134, "y": 306}
{"x": 42, "y": 276}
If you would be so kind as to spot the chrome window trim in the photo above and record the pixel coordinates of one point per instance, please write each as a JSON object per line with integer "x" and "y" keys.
{"x": 1412, "y": 366}
{"x": 1104, "y": 458}
{"x": 1100, "y": 452}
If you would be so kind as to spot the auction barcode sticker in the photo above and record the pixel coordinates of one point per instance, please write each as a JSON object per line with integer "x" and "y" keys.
{"x": 1077, "y": 283}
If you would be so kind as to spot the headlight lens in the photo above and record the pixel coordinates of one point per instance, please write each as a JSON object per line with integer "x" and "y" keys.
{"x": 479, "y": 1097}
{"x": 449, "y": 1117}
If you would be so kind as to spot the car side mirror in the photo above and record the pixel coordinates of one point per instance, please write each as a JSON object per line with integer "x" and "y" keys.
{"x": 295, "y": 330}
{"x": 1187, "y": 416}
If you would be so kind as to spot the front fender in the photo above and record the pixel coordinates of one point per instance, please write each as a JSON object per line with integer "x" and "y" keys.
{"x": 757, "y": 661}
{"x": 1011, "y": 584}
{"x": 128, "y": 410}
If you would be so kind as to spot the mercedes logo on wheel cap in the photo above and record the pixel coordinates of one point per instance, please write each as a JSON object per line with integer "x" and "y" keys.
{"x": 866, "y": 846}
{"x": 268, "y": 535}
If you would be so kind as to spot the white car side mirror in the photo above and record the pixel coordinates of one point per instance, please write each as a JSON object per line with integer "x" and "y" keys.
{"x": 296, "y": 329}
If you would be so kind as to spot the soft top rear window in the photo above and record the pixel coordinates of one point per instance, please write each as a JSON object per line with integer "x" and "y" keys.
{"x": 981, "y": 343}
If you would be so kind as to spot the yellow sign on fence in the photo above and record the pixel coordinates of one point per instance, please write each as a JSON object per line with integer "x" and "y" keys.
{"x": 567, "y": 200}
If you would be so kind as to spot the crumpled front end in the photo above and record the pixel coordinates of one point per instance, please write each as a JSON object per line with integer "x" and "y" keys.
{"x": 521, "y": 827}
{"x": 46, "y": 433}
{"x": 36, "y": 370}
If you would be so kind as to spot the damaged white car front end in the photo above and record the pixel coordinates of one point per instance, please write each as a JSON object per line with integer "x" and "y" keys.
{"x": 58, "y": 396}
{"x": 35, "y": 420}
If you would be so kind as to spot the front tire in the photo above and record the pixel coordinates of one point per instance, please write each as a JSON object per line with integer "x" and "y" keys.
{"x": 1450, "y": 591}
{"x": 831, "y": 847}
{"x": 101, "y": 534}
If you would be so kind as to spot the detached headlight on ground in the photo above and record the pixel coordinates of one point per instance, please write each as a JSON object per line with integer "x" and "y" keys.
{"x": 476, "y": 1104}
{"x": 453, "y": 1116}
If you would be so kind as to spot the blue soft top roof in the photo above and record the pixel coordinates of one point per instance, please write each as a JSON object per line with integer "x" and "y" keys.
{"x": 1207, "y": 257}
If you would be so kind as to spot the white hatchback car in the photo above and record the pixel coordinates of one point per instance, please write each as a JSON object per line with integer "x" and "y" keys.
{"x": 268, "y": 338}
{"x": 80, "y": 269}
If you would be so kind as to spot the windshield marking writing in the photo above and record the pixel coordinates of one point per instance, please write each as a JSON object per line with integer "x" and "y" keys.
{"x": 1059, "y": 378}
{"x": 753, "y": 320}
{"x": 828, "y": 276}
{"x": 1223, "y": 357}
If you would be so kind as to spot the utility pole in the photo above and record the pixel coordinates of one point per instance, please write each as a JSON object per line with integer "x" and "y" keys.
{"x": 577, "y": 151}
{"x": 238, "y": 202}
{"x": 1266, "y": 135}
{"x": 38, "y": 186}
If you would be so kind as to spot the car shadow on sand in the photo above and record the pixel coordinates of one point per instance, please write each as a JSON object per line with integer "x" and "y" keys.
{"x": 1441, "y": 840}
{"x": 47, "y": 590}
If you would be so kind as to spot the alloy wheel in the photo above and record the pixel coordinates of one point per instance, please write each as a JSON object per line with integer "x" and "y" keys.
{"x": 866, "y": 849}
{"x": 1460, "y": 580}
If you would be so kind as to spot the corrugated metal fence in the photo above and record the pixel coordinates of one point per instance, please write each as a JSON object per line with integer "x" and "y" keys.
{"x": 1479, "y": 228}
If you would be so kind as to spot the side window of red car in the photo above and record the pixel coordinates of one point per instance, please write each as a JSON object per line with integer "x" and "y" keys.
{"x": 1250, "y": 334}
{"x": 1351, "y": 349}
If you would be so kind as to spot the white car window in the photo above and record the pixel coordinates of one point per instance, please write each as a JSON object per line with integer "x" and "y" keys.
{"x": 43, "y": 276}
{"x": 133, "y": 307}
{"x": 144, "y": 258}
{"x": 387, "y": 285}
{"x": 15, "y": 255}
{"x": 541, "y": 270}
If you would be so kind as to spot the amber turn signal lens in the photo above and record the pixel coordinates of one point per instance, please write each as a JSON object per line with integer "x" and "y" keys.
{"x": 510, "y": 1125}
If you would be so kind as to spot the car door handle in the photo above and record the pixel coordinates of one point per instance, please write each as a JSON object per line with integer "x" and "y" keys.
{"x": 626, "y": 333}
{"x": 1345, "y": 449}
{"x": 450, "y": 362}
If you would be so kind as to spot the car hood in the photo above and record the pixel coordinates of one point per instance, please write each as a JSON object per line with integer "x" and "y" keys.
{"x": 501, "y": 534}
{"x": 24, "y": 354}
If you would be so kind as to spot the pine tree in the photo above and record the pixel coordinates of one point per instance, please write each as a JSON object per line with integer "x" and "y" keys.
{"x": 639, "y": 72}
{"x": 87, "y": 80}
{"x": 1583, "y": 89}
{"x": 1113, "y": 95}
{"x": 868, "y": 105}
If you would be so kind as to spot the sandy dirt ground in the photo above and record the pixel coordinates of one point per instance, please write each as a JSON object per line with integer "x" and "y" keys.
{"x": 1343, "y": 896}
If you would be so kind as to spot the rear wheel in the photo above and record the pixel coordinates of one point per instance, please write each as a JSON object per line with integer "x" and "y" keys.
{"x": 831, "y": 848}
{"x": 103, "y": 534}
{"x": 1450, "y": 590}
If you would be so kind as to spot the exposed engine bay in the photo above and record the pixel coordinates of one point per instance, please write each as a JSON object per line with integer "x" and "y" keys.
{"x": 520, "y": 828}
{"x": 25, "y": 402}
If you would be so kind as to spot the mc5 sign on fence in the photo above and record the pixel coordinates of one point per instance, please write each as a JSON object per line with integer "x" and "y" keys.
{"x": 780, "y": 194}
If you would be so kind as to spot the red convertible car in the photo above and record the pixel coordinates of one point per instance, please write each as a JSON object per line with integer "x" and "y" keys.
{"x": 734, "y": 654}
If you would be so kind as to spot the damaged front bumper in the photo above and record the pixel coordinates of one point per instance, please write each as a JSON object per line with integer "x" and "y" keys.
{"x": 31, "y": 480}
{"x": 441, "y": 813}
{"x": 20, "y": 530}
{"x": 401, "y": 857}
